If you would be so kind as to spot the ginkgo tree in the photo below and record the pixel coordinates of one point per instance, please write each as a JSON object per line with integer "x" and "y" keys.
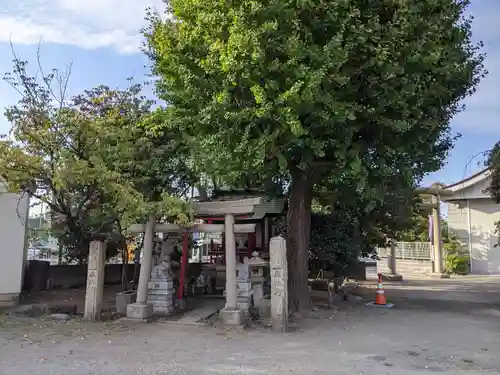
{"x": 316, "y": 91}
{"x": 90, "y": 159}
{"x": 493, "y": 162}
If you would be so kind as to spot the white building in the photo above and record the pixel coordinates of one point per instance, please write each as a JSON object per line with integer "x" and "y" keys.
{"x": 472, "y": 215}
{"x": 13, "y": 235}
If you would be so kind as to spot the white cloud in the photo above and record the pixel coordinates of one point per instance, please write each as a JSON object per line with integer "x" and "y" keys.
{"x": 85, "y": 23}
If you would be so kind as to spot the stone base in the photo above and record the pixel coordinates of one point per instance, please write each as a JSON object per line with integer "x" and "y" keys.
{"x": 391, "y": 277}
{"x": 439, "y": 276}
{"x": 9, "y": 299}
{"x": 140, "y": 312}
{"x": 162, "y": 308}
{"x": 124, "y": 299}
{"x": 265, "y": 308}
{"x": 232, "y": 317}
{"x": 181, "y": 304}
{"x": 244, "y": 302}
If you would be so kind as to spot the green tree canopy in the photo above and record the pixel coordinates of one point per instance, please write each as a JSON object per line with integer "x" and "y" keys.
{"x": 493, "y": 162}
{"x": 328, "y": 92}
{"x": 90, "y": 159}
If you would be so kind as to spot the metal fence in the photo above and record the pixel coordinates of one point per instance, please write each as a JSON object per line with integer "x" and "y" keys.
{"x": 53, "y": 258}
{"x": 409, "y": 250}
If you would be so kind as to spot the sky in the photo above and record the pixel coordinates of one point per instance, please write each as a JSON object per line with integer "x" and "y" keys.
{"x": 101, "y": 39}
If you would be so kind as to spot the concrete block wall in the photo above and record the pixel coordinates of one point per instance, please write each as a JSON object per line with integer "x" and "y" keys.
{"x": 75, "y": 276}
{"x": 458, "y": 222}
{"x": 407, "y": 267}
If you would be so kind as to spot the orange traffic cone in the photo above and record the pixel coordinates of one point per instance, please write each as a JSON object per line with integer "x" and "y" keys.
{"x": 380, "y": 296}
{"x": 380, "y": 300}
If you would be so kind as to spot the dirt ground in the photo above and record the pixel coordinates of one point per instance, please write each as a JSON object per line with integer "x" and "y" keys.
{"x": 447, "y": 327}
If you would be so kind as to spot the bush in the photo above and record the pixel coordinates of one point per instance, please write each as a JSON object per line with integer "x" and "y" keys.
{"x": 457, "y": 264}
{"x": 336, "y": 243}
{"x": 456, "y": 260}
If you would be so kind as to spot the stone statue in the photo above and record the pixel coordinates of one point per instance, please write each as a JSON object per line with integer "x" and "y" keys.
{"x": 162, "y": 271}
{"x": 242, "y": 271}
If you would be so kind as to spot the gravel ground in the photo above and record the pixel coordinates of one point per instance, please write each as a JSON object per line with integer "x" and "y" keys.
{"x": 416, "y": 337}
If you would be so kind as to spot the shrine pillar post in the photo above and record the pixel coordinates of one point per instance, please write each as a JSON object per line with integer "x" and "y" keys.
{"x": 266, "y": 234}
{"x": 141, "y": 309}
{"x": 437, "y": 241}
{"x": 231, "y": 315}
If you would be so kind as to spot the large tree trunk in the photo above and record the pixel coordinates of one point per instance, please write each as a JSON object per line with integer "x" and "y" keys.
{"x": 298, "y": 235}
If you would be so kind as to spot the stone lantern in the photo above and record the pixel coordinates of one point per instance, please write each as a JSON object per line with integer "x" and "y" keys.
{"x": 244, "y": 292}
{"x": 256, "y": 267}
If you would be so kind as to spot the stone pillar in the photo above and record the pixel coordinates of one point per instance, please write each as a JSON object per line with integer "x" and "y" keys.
{"x": 438, "y": 245}
{"x": 231, "y": 302}
{"x": 141, "y": 309}
{"x": 279, "y": 284}
{"x": 391, "y": 264}
{"x": 231, "y": 315}
{"x": 95, "y": 281}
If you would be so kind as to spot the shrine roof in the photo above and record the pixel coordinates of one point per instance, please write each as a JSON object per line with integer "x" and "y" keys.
{"x": 256, "y": 207}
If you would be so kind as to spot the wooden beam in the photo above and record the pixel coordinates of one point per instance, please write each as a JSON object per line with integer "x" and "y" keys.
{"x": 428, "y": 205}
{"x": 434, "y": 191}
{"x": 205, "y": 228}
{"x": 235, "y": 207}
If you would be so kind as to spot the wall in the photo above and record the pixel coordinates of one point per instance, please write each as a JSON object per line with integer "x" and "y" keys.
{"x": 485, "y": 256}
{"x": 13, "y": 214}
{"x": 458, "y": 223}
{"x": 73, "y": 276}
{"x": 477, "y": 189}
{"x": 407, "y": 267}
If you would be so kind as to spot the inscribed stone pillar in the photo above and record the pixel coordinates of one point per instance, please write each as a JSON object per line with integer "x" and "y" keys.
{"x": 391, "y": 264}
{"x": 141, "y": 309}
{"x": 95, "y": 281}
{"x": 279, "y": 284}
{"x": 391, "y": 258}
